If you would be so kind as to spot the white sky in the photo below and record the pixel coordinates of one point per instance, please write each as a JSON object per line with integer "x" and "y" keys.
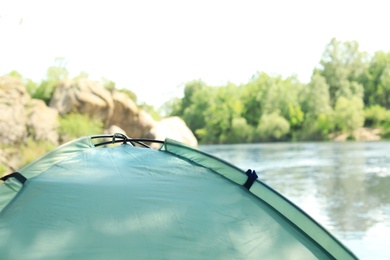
{"x": 153, "y": 47}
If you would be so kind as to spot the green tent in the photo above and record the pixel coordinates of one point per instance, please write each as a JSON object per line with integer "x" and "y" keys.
{"x": 89, "y": 200}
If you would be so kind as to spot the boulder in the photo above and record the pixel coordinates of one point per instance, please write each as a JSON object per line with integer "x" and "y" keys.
{"x": 42, "y": 121}
{"x": 174, "y": 128}
{"x": 134, "y": 121}
{"x": 13, "y": 118}
{"x": 85, "y": 97}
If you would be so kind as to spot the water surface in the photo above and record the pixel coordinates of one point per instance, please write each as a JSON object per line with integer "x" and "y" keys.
{"x": 344, "y": 186}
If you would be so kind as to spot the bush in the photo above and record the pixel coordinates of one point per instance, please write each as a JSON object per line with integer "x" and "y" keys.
{"x": 349, "y": 114}
{"x": 273, "y": 127}
{"x": 3, "y": 170}
{"x": 317, "y": 127}
{"x": 73, "y": 126}
{"x": 240, "y": 132}
{"x": 376, "y": 115}
{"x": 33, "y": 149}
{"x": 44, "y": 91}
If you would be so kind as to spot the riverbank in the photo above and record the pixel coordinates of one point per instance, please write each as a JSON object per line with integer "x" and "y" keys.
{"x": 362, "y": 134}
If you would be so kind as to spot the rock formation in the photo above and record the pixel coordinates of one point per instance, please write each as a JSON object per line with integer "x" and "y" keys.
{"x": 13, "y": 118}
{"x": 117, "y": 109}
{"x": 22, "y": 117}
{"x": 42, "y": 121}
{"x": 135, "y": 122}
{"x": 174, "y": 128}
{"x": 85, "y": 97}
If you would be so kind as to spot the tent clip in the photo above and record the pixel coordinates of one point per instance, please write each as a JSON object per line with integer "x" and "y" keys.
{"x": 252, "y": 176}
{"x": 15, "y": 175}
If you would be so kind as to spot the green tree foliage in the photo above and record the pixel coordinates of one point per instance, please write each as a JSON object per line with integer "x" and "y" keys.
{"x": 296, "y": 115}
{"x": 75, "y": 125}
{"x": 315, "y": 101}
{"x": 273, "y": 127}
{"x": 253, "y": 96}
{"x": 223, "y": 115}
{"x": 342, "y": 65}
{"x": 150, "y": 110}
{"x": 82, "y": 75}
{"x": 197, "y": 99}
{"x": 348, "y": 89}
{"x": 240, "y": 132}
{"x": 30, "y": 85}
{"x": 376, "y": 116}
{"x": 15, "y": 74}
{"x": 172, "y": 107}
{"x": 315, "y": 97}
{"x": 32, "y": 149}
{"x": 130, "y": 94}
{"x": 376, "y": 80}
{"x": 349, "y": 114}
{"x": 54, "y": 76}
{"x": 281, "y": 95}
{"x": 108, "y": 84}
{"x": 272, "y": 108}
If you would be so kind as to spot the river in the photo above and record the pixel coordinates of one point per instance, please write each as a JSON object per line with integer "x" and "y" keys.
{"x": 344, "y": 186}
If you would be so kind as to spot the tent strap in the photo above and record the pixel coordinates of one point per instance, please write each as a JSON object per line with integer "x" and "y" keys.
{"x": 252, "y": 176}
{"x": 15, "y": 175}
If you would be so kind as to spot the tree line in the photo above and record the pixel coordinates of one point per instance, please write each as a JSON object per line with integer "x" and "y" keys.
{"x": 349, "y": 89}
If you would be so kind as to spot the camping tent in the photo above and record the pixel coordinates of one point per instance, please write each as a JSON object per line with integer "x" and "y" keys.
{"x": 85, "y": 201}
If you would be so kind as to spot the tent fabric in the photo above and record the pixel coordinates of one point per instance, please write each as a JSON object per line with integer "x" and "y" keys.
{"x": 122, "y": 202}
{"x": 10, "y": 187}
{"x": 281, "y": 204}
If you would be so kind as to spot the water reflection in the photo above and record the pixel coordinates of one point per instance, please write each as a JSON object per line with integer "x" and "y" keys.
{"x": 344, "y": 186}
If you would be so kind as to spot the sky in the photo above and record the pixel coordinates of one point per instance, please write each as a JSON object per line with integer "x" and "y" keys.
{"x": 155, "y": 47}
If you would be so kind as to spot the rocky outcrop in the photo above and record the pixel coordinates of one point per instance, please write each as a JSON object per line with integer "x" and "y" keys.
{"x": 116, "y": 109}
{"x": 13, "y": 118}
{"x": 23, "y": 118}
{"x": 42, "y": 121}
{"x": 85, "y": 97}
{"x": 20, "y": 118}
{"x": 174, "y": 128}
{"x": 135, "y": 122}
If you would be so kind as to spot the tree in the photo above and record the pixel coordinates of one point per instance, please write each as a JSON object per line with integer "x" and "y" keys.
{"x": 221, "y": 112}
{"x": 376, "y": 80}
{"x": 315, "y": 100}
{"x": 241, "y": 131}
{"x": 15, "y": 74}
{"x": 195, "y": 86}
{"x": 295, "y": 116}
{"x": 172, "y": 107}
{"x": 82, "y": 75}
{"x": 197, "y": 103}
{"x": 30, "y": 85}
{"x": 376, "y": 116}
{"x": 253, "y": 97}
{"x": 342, "y": 65}
{"x": 54, "y": 75}
{"x": 349, "y": 114}
{"x": 273, "y": 127}
{"x": 315, "y": 97}
{"x": 108, "y": 84}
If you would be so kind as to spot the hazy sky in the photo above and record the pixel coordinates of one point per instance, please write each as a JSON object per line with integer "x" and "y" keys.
{"x": 153, "y": 47}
